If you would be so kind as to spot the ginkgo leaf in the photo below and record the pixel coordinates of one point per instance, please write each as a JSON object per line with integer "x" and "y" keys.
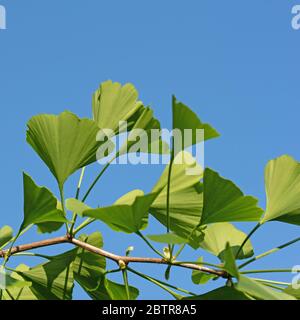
{"x": 229, "y": 262}
{"x": 282, "y": 180}
{"x": 185, "y": 198}
{"x": 7, "y": 282}
{"x": 141, "y": 137}
{"x": 223, "y": 293}
{"x": 64, "y": 142}
{"x": 76, "y": 206}
{"x": 199, "y": 277}
{"x": 260, "y": 291}
{"x": 216, "y": 236}
{"x": 110, "y": 290}
{"x": 129, "y": 214}
{"x": 6, "y": 234}
{"x": 293, "y": 290}
{"x": 89, "y": 267}
{"x": 40, "y": 207}
{"x": 28, "y": 292}
{"x": 170, "y": 238}
{"x": 184, "y": 118}
{"x": 52, "y": 280}
{"x": 113, "y": 103}
{"x": 225, "y": 202}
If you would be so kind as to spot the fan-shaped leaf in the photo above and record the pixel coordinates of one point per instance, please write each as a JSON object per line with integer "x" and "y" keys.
{"x": 216, "y": 236}
{"x": 225, "y": 202}
{"x": 185, "y": 118}
{"x": 129, "y": 214}
{"x": 260, "y": 291}
{"x": 52, "y": 280}
{"x": 170, "y": 238}
{"x": 113, "y": 103}
{"x": 40, "y": 207}
{"x": 185, "y": 198}
{"x": 6, "y": 234}
{"x": 64, "y": 142}
{"x": 199, "y": 277}
{"x": 282, "y": 179}
{"x": 223, "y": 293}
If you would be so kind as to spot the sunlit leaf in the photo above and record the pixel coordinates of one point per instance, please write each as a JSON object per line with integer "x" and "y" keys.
{"x": 25, "y": 293}
{"x": 113, "y": 103}
{"x": 185, "y": 198}
{"x": 64, "y": 142}
{"x": 216, "y": 236}
{"x": 52, "y": 280}
{"x": 223, "y": 293}
{"x": 282, "y": 180}
{"x": 144, "y": 125}
{"x": 7, "y": 282}
{"x": 129, "y": 214}
{"x": 225, "y": 202}
{"x": 260, "y": 291}
{"x": 170, "y": 238}
{"x": 199, "y": 277}
{"x": 293, "y": 290}
{"x": 76, "y": 206}
{"x": 229, "y": 262}
{"x": 6, "y": 234}
{"x": 40, "y": 207}
{"x": 184, "y": 118}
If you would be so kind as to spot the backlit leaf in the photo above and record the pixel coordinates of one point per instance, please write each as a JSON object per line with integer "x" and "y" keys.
{"x": 40, "y": 207}
{"x": 225, "y": 202}
{"x": 282, "y": 180}
{"x": 64, "y": 142}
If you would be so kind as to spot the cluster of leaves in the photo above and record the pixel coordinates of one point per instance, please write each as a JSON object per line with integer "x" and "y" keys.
{"x": 197, "y": 210}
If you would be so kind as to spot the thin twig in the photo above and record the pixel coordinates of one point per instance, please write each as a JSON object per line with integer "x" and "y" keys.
{"x": 109, "y": 255}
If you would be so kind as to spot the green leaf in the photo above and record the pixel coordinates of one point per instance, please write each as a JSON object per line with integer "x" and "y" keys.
{"x": 216, "y": 236}
{"x": 199, "y": 277}
{"x": 185, "y": 118}
{"x": 260, "y": 291}
{"x": 143, "y": 124}
{"x": 7, "y": 282}
{"x": 229, "y": 262}
{"x": 52, "y": 280}
{"x": 113, "y": 103}
{"x": 64, "y": 142}
{"x": 185, "y": 198}
{"x": 89, "y": 267}
{"x": 109, "y": 290}
{"x": 25, "y": 293}
{"x": 282, "y": 180}
{"x": 76, "y": 206}
{"x": 223, "y": 293}
{"x": 40, "y": 207}
{"x": 129, "y": 214}
{"x": 295, "y": 292}
{"x": 170, "y": 238}
{"x": 225, "y": 202}
{"x": 6, "y": 234}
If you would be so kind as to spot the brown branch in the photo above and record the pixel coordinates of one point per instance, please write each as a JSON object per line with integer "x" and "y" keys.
{"x": 109, "y": 255}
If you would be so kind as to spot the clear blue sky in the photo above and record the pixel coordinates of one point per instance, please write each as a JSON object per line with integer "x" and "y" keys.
{"x": 234, "y": 62}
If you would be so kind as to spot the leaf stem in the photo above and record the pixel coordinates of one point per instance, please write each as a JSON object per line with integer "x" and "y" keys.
{"x": 246, "y": 239}
{"x": 269, "y": 252}
{"x": 267, "y": 271}
{"x": 74, "y": 218}
{"x": 149, "y": 244}
{"x": 125, "y": 279}
{"x": 96, "y": 180}
{"x": 84, "y": 224}
{"x": 165, "y": 286}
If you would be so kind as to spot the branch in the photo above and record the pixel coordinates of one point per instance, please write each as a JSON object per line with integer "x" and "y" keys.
{"x": 109, "y": 255}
